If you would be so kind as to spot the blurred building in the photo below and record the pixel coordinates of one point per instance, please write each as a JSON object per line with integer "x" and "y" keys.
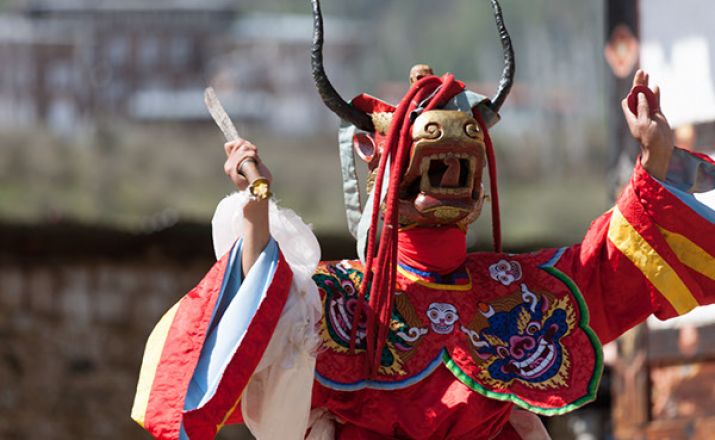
{"x": 265, "y": 73}
{"x": 69, "y": 63}
{"x": 78, "y": 60}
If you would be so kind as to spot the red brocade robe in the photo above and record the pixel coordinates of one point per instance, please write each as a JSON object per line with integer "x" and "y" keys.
{"x": 465, "y": 348}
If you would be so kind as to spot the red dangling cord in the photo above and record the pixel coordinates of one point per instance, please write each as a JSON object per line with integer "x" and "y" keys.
{"x": 493, "y": 187}
{"x": 391, "y": 144}
{"x": 381, "y": 272}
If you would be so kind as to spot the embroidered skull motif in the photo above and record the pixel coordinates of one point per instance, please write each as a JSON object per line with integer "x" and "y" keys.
{"x": 442, "y": 317}
{"x": 505, "y": 272}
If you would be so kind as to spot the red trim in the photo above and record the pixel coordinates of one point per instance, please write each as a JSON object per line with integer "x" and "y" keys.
{"x": 204, "y": 422}
{"x": 701, "y": 156}
{"x": 636, "y": 214}
{"x": 180, "y": 355}
{"x": 670, "y": 212}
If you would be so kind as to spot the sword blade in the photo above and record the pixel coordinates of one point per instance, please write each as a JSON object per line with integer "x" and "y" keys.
{"x": 218, "y": 113}
{"x": 259, "y": 185}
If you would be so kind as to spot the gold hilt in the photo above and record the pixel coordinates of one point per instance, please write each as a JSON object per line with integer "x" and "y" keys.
{"x": 259, "y": 186}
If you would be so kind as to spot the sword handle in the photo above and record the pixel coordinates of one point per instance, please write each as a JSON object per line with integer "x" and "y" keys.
{"x": 259, "y": 185}
{"x": 248, "y": 169}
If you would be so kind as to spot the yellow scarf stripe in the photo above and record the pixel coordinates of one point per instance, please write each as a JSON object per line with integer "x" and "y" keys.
{"x": 637, "y": 249}
{"x": 152, "y": 356}
{"x": 690, "y": 254}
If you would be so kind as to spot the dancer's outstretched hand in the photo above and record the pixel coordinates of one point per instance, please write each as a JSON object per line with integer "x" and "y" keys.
{"x": 650, "y": 128}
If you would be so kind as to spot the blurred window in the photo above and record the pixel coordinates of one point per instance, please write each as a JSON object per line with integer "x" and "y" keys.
{"x": 118, "y": 50}
{"x": 25, "y": 75}
{"x": 59, "y": 76}
{"x": 62, "y": 116}
{"x": 149, "y": 50}
{"x": 180, "y": 50}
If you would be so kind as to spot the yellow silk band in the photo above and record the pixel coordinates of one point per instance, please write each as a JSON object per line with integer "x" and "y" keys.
{"x": 653, "y": 266}
{"x": 150, "y": 362}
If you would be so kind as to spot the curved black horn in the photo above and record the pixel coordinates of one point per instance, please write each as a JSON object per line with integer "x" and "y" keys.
{"x": 330, "y": 96}
{"x": 507, "y": 76}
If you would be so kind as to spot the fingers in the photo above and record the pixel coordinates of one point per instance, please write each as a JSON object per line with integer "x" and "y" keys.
{"x": 643, "y": 109}
{"x": 229, "y": 147}
{"x": 640, "y": 78}
{"x": 631, "y": 119}
{"x": 238, "y": 152}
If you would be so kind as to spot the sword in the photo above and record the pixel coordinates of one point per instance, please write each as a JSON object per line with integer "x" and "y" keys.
{"x": 259, "y": 185}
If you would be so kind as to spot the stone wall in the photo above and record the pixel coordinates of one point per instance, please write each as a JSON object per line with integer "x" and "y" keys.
{"x": 76, "y": 307}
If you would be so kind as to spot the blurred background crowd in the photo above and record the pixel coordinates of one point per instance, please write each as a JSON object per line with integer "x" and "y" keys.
{"x": 110, "y": 168}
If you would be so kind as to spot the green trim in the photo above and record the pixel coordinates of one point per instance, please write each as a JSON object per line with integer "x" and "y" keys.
{"x": 584, "y": 324}
{"x": 507, "y": 397}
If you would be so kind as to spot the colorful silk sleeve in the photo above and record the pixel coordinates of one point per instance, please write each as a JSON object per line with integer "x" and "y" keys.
{"x": 653, "y": 252}
{"x": 201, "y": 355}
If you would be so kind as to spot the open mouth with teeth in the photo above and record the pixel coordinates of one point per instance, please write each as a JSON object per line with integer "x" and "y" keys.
{"x": 441, "y": 185}
{"x": 538, "y": 362}
{"x": 448, "y": 174}
{"x": 341, "y": 313}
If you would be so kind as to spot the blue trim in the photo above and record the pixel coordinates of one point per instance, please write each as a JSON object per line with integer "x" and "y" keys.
{"x": 700, "y": 208}
{"x": 434, "y": 277}
{"x": 382, "y": 385}
{"x": 228, "y": 276}
{"x": 236, "y": 304}
{"x": 555, "y": 259}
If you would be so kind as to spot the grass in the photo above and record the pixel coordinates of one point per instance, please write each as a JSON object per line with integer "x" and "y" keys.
{"x": 142, "y": 178}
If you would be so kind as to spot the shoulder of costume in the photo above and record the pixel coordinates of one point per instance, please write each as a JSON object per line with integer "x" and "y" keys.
{"x": 541, "y": 257}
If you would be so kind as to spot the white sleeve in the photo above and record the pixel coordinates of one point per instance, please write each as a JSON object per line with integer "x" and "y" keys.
{"x": 276, "y": 402}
